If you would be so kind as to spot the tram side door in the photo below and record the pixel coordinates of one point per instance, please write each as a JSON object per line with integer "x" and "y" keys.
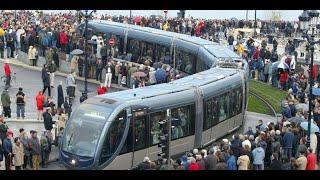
{"x": 140, "y": 135}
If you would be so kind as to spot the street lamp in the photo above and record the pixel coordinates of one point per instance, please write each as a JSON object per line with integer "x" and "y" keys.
{"x": 309, "y": 19}
{"x": 87, "y": 16}
{"x": 255, "y": 24}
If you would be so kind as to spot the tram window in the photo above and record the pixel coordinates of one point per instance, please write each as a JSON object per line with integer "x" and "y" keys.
{"x": 155, "y": 127}
{"x": 140, "y": 133}
{"x": 223, "y": 107}
{"x": 181, "y": 122}
{"x": 201, "y": 66}
{"x": 113, "y": 137}
{"x": 240, "y": 99}
{"x": 184, "y": 61}
{"x": 211, "y": 113}
{"x": 133, "y": 48}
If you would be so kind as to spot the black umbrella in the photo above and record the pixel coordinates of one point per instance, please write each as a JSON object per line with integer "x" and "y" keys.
{"x": 296, "y": 120}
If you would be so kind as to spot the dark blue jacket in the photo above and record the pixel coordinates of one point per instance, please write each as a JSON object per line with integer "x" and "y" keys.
{"x": 286, "y": 112}
{"x": 7, "y": 146}
{"x": 288, "y": 139}
{"x": 236, "y": 147}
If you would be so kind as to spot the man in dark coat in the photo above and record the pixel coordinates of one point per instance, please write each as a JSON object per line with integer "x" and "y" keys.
{"x": 7, "y": 151}
{"x": 288, "y": 140}
{"x": 47, "y": 119}
{"x": 275, "y": 163}
{"x": 211, "y": 160}
{"x": 55, "y": 58}
{"x": 60, "y": 96}
{"x": 236, "y": 146}
{"x": 46, "y": 83}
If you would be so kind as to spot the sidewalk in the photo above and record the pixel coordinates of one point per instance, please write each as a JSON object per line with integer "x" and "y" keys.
{"x": 16, "y": 62}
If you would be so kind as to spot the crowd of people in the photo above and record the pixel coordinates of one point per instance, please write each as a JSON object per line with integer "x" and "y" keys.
{"x": 273, "y": 146}
{"x": 26, "y": 151}
{"x": 53, "y": 36}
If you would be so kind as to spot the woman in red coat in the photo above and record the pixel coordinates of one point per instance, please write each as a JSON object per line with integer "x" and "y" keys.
{"x": 194, "y": 166}
{"x": 283, "y": 79}
{"x": 311, "y": 160}
{"x": 39, "y": 102}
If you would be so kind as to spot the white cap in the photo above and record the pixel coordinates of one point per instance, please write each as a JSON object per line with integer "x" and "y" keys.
{"x": 146, "y": 159}
{"x": 195, "y": 151}
{"x": 278, "y": 132}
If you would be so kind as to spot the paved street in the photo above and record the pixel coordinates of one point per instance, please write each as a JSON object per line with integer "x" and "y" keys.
{"x": 31, "y": 83}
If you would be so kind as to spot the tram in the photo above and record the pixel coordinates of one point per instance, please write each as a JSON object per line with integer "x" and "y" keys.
{"x": 117, "y": 130}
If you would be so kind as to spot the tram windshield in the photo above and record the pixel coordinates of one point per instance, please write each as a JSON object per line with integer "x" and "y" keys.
{"x": 84, "y": 129}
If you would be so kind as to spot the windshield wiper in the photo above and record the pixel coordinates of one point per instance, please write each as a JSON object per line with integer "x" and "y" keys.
{"x": 70, "y": 140}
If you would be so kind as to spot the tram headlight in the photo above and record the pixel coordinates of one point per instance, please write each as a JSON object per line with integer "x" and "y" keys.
{"x": 73, "y": 162}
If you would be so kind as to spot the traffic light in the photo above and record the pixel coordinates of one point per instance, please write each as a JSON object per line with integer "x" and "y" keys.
{"x": 164, "y": 139}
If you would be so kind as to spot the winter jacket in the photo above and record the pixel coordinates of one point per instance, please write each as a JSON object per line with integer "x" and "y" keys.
{"x": 40, "y": 101}
{"x": 35, "y": 146}
{"x": 7, "y": 70}
{"x": 3, "y": 131}
{"x": 5, "y": 99}
{"x": 194, "y": 166}
{"x": 243, "y": 162}
{"x": 258, "y": 156}
{"x": 18, "y": 154}
{"x": 275, "y": 165}
{"x": 70, "y": 81}
{"x": 311, "y": 162}
{"x": 236, "y": 147}
{"x": 7, "y": 146}
{"x": 301, "y": 163}
{"x": 47, "y": 120}
{"x": 60, "y": 94}
{"x": 46, "y": 80}
{"x": 63, "y": 38}
{"x": 26, "y": 148}
{"x": 211, "y": 161}
{"x": 288, "y": 139}
{"x": 231, "y": 163}
{"x": 20, "y": 98}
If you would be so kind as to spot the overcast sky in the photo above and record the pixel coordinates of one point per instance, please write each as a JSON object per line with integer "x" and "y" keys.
{"x": 210, "y": 14}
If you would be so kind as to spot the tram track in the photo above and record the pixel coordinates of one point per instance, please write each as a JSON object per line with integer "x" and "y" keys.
{"x": 270, "y": 107}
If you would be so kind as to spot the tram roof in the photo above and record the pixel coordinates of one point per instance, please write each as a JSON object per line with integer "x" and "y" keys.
{"x": 193, "y": 39}
{"x": 199, "y": 79}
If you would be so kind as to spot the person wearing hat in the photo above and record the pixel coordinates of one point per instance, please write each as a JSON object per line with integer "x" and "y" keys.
{"x": 5, "y": 100}
{"x": 7, "y": 72}
{"x": 35, "y": 150}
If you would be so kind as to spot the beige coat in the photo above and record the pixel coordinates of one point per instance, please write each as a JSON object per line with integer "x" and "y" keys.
{"x": 32, "y": 53}
{"x": 243, "y": 162}
{"x": 74, "y": 62}
{"x": 301, "y": 163}
{"x": 18, "y": 154}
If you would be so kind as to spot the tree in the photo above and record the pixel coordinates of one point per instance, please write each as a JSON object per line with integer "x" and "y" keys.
{"x": 274, "y": 15}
